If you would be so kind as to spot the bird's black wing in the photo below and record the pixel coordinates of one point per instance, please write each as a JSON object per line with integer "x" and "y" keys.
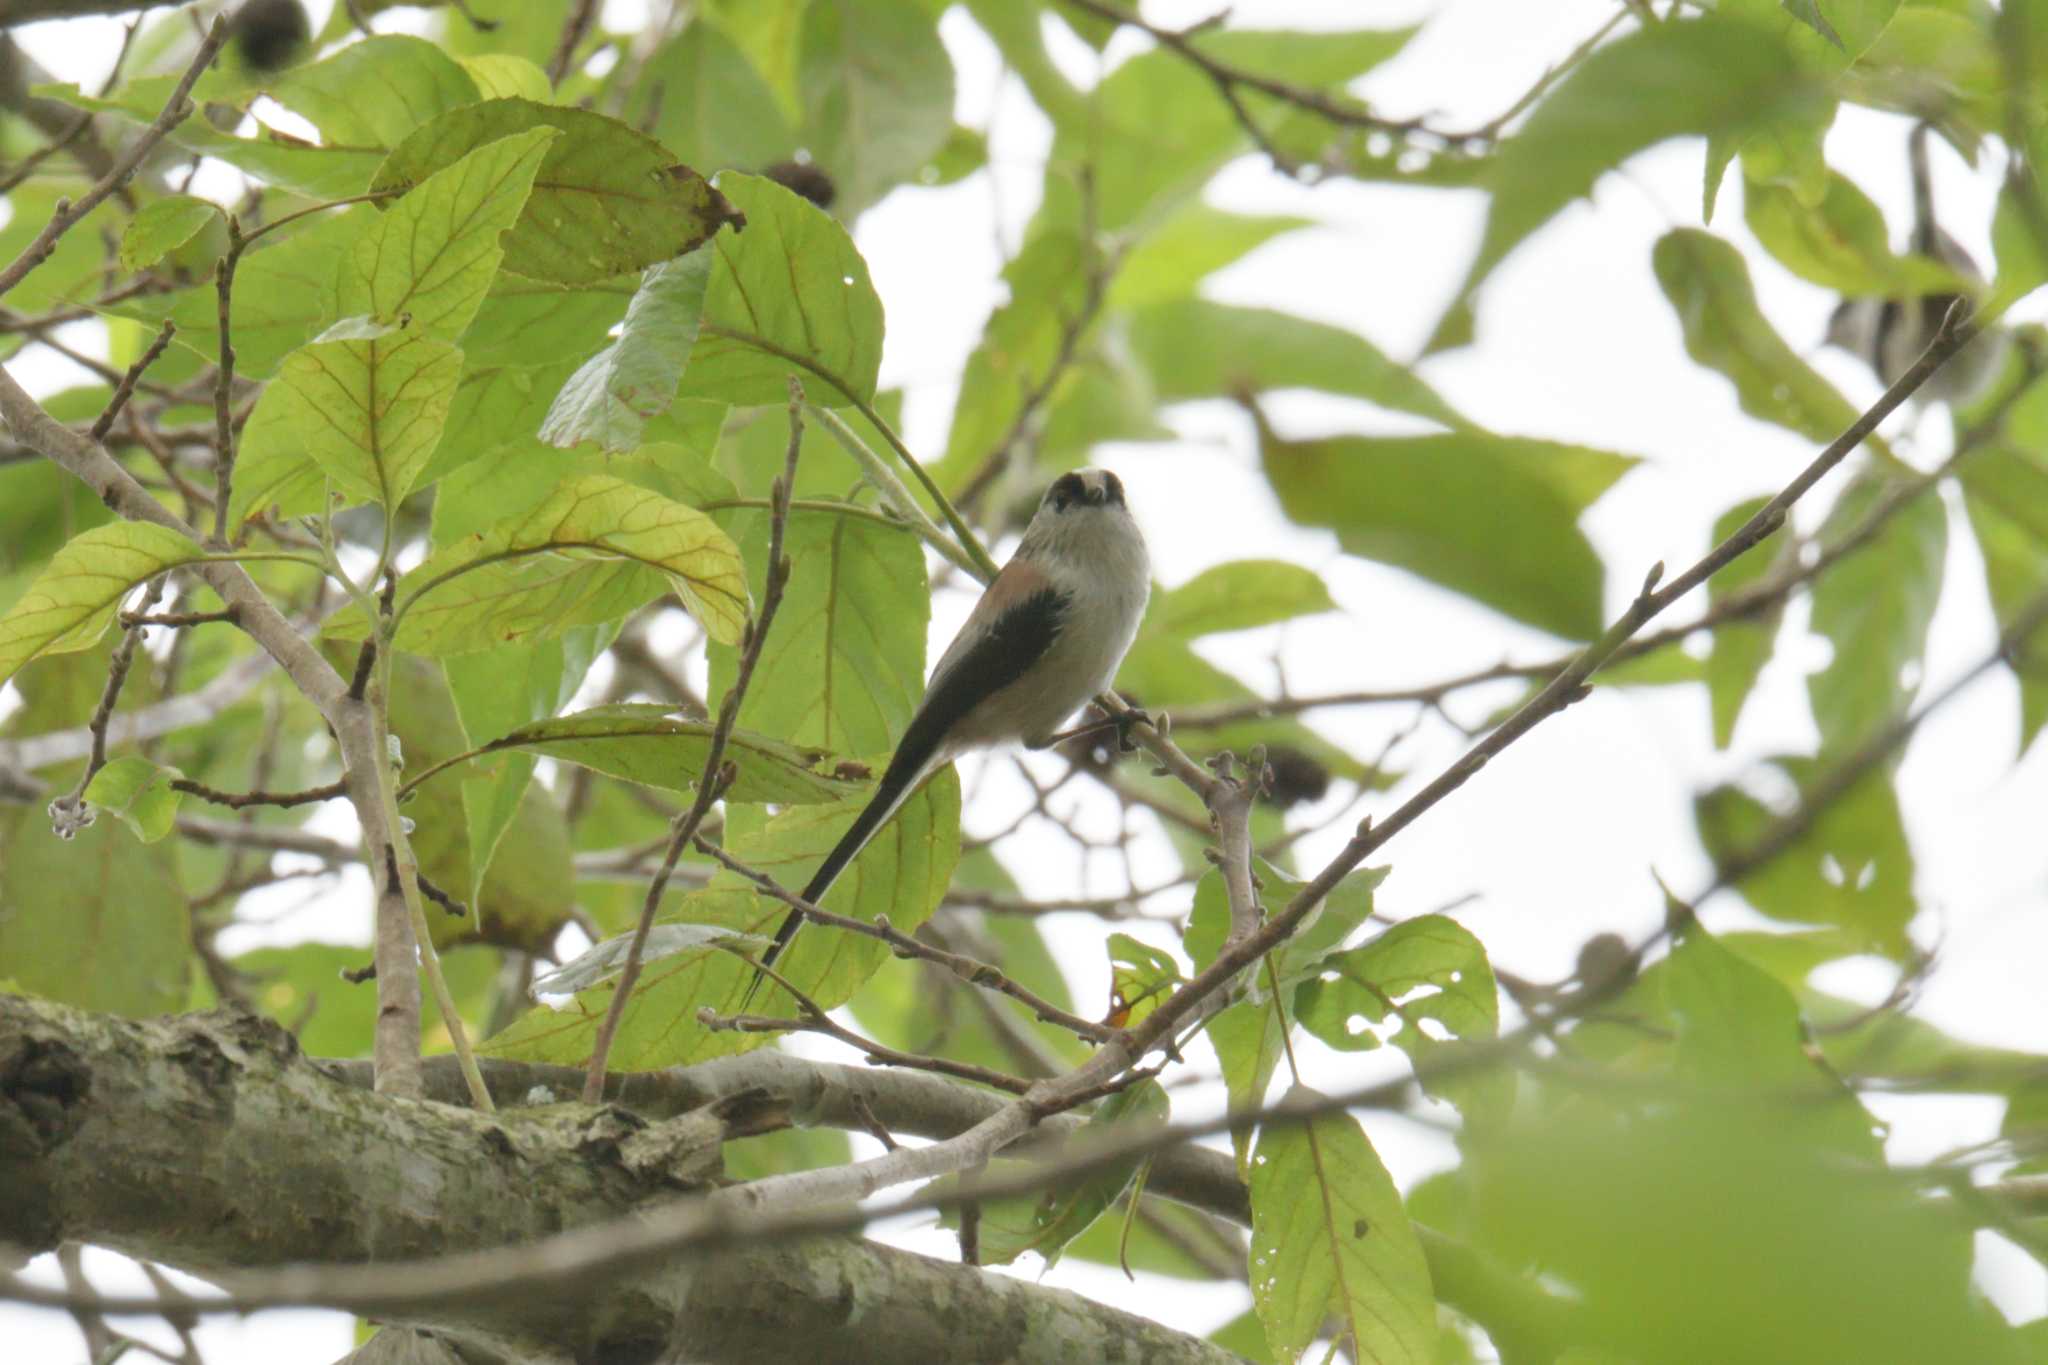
{"x": 1019, "y": 637}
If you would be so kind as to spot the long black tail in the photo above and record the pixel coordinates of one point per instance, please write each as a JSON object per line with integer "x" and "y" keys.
{"x": 902, "y": 775}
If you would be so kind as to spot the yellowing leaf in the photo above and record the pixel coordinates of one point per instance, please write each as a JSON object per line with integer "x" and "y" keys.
{"x": 427, "y": 263}
{"x": 71, "y": 602}
{"x": 595, "y": 550}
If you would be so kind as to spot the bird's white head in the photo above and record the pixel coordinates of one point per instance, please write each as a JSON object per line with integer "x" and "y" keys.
{"x": 1083, "y": 521}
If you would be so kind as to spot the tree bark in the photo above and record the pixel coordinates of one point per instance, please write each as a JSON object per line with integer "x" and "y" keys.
{"x": 210, "y": 1143}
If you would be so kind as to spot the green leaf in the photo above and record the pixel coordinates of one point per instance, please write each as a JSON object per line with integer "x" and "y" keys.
{"x": 302, "y": 987}
{"x": 1708, "y": 285}
{"x": 843, "y": 666}
{"x": 789, "y": 296}
{"x": 95, "y": 921}
{"x": 1425, "y": 969}
{"x": 74, "y": 598}
{"x": 606, "y": 201}
{"x": 1492, "y": 517}
{"x": 634, "y": 378}
{"x": 496, "y": 693}
{"x": 427, "y": 263}
{"x": 1247, "y": 1037}
{"x": 138, "y": 793}
{"x": 1738, "y": 1026}
{"x": 284, "y": 296}
{"x": 1874, "y": 607}
{"x": 1331, "y": 1239}
{"x": 1238, "y": 596}
{"x": 161, "y": 227}
{"x": 1808, "y": 13}
{"x": 366, "y": 414}
{"x": 2003, "y": 490}
{"x": 2019, "y": 233}
{"x": 1853, "y": 868}
{"x": 645, "y": 742}
{"x": 592, "y": 552}
{"x": 1165, "y": 672}
{"x": 1198, "y": 349}
{"x": 1712, "y": 76}
{"x": 1047, "y": 283}
{"x": 604, "y": 961}
{"x": 304, "y": 168}
{"x": 1169, "y": 262}
{"x": 500, "y": 75}
{"x": 1141, "y": 977}
{"x": 1144, "y": 165}
{"x": 902, "y": 873}
{"x": 1071, "y": 1207}
{"x": 878, "y": 94}
{"x": 1637, "y": 1200}
{"x": 1742, "y": 646}
{"x": 709, "y": 103}
{"x": 1841, "y": 243}
{"x": 375, "y": 92}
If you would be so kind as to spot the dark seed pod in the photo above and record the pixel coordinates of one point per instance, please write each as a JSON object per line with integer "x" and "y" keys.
{"x": 806, "y": 179}
{"x": 269, "y": 33}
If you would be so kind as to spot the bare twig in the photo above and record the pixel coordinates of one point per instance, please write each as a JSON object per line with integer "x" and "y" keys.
{"x": 966, "y": 968}
{"x": 175, "y": 111}
{"x": 573, "y": 29}
{"x": 126, "y": 388}
{"x": 244, "y": 800}
{"x": 718, "y": 773}
{"x": 67, "y": 811}
{"x": 812, "y": 1018}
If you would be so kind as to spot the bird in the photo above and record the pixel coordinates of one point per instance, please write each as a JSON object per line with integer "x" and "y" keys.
{"x": 1047, "y": 635}
{"x": 1889, "y": 334}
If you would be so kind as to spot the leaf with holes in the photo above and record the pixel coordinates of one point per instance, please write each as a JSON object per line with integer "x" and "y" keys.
{"x": 1330, "y": 1239}
{"x": 607, "y": 200}
{"x": 1429, "y": 979}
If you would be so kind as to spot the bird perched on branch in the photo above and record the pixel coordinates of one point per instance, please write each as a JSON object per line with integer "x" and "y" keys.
{"x": 1046, "y": 636}
{"x": 1889, "y": 334}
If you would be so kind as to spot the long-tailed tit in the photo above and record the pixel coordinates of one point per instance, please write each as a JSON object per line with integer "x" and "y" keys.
{"x": 1889, "y": 334}
{"x": 1046, "y": 636}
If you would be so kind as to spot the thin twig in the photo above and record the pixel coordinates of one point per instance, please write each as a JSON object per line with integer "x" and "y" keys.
{"x": 67, "y": 812}
{"x": 573, "y": 30}
{"x": 126, "y": 388}
{"x": 175, "y": 111}
{"x": 718, "y": 773}
{"x": 812, "y": 1018}
{"x": 966, "y": 968}
{"x": 244, "y": 800}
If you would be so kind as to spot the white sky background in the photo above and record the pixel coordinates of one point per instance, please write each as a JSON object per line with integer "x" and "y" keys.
{"x": 1559, "y": 838}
